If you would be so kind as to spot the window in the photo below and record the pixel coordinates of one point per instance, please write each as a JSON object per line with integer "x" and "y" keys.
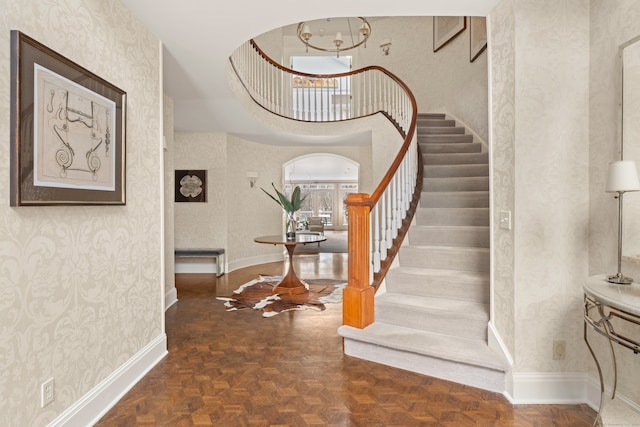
{"x": 321, "y": 99}
{"x": 325, "y": 200}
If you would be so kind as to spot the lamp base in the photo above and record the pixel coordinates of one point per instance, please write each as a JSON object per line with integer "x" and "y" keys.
{"x": 619, "y": 279}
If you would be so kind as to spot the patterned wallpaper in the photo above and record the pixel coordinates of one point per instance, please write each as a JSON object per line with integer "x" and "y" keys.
{"x": 169, "y": 215}
{"x": 552, "y": 181}
{"x": 80, "y": 286}
{"x": 540, "y": 98}
{"x": 549, "y": 167}
{"x": 502, "y": 50}
{"x": 202, "y": 225}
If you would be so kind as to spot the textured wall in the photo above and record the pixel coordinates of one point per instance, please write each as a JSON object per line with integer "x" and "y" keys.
{"x": 169, "y": 217}
{"x": 202, "y": 225}
{"x": 552, "y": 181}
{"x": 80, "y": 286}
{"x": 502, "y": 89}
{"x": 540, "y": 110}
{"x": 612, "y": 23}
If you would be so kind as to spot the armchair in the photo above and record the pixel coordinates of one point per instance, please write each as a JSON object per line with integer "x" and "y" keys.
{"x": 316, "y": 225}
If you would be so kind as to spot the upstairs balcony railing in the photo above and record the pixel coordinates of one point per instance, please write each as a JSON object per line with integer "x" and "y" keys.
{"x": 377, "y": 222}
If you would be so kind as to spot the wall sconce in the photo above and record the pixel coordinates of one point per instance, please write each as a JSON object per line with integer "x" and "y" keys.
{"x": 385, "y": 45}
{"x": 252, "y": 176}
{"x": 622, "y": 177}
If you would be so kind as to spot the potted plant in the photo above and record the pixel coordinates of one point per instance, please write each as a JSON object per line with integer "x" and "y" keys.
{"x": 290, "y": 206}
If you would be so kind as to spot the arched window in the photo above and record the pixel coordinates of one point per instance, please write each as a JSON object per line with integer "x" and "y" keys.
{"x": 327, "y": 179}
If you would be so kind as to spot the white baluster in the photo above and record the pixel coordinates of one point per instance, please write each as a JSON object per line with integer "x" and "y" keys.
{"x": 383, "y": 223}
{"x": 399, "y": 213}
{"x": 375, "y": 237}
{"x": 388, "y": 195}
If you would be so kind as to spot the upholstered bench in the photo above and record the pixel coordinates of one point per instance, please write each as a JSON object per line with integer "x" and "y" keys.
{"x": 216, "y": 254}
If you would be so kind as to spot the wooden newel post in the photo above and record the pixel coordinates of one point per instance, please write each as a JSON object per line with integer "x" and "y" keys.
{"x": 357, "y": 306}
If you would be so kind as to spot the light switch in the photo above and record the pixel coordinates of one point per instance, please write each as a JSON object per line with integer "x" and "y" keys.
{"x": 505, "y": 220}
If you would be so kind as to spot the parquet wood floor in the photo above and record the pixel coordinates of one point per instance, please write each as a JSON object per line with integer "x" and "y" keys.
{"x": 240, "y": 369}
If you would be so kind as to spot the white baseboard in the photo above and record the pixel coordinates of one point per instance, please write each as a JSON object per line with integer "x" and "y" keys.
{"x": 563, "y": 389}
{"x": 170, "y": 298}
{"x": 549, "y": 388}
{"x": 496, "y": 343}
{"x": 255, "y": 260}
{"x": 93, "y": 405}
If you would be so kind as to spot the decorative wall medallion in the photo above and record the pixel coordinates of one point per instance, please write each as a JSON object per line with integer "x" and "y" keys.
{"x": 191, "y": 186}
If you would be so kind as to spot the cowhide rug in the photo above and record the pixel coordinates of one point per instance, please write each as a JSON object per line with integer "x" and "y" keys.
{"x": 258, "y": 295}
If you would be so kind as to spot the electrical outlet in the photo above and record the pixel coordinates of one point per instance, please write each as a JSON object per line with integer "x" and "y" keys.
{"x": 47, "y": 392}
{"x": 559, "y": 350}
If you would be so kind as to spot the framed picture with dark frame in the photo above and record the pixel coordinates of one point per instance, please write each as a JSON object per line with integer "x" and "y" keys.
{"x": 191, "y": 186}
{"x": 67, "y": 131}
{"x": 477, "y": 36}
{"x": 446, "y": 28}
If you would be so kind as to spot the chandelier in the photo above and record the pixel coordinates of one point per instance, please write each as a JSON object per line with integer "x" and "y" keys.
{"x": 338, "y": 42}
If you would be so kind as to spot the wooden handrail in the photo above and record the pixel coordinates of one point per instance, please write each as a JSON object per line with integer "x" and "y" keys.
{"x": 392, "y": 204}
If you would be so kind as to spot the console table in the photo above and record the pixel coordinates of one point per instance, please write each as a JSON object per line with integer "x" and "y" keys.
{"x": 608, "y": 306}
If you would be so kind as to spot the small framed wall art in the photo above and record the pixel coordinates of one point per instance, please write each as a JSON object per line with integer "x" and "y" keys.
{"x": 67, "y": 131}
{"x": 191, "y": 186}
{"x": 446, "y": 28}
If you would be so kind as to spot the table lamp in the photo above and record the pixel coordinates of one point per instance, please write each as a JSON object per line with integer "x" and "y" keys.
{"x": 622, "y": 177}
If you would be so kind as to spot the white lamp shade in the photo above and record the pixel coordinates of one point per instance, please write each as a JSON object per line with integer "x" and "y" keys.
{"x": 338, "y": 37}
{"x": 622, "y": 177}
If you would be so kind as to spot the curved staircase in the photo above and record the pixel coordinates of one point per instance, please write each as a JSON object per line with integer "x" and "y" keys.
{"x": 433, "y": 316}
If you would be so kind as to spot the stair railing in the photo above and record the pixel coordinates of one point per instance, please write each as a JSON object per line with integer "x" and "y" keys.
{"x": 377, "y": 222}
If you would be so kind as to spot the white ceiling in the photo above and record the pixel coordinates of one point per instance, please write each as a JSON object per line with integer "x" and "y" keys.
{"x": 200, "y": 35}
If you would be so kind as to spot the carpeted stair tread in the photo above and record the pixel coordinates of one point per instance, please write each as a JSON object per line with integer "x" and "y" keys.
{"x": 426, "y": 139}
{"x": 457, "y": 183}
{"x": 442, "y": 307}
{"x": 452, "y": 216}
{"x": 463, "y": 147}
{"x": 446, "y": 257}
{"x": 438, "y": 283}
{"x": 439, "y": 235}
{"x": 455, "y": 158}
{"x": 457, "y": 349}
{"x": 439, "y": 276}
{"x": 460, "y": 318}
{"x": 441, "y": 130}
{"x": 431, "y": 116}
{"x": 454, "y": 199}
{"x": 443, "y": 171}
